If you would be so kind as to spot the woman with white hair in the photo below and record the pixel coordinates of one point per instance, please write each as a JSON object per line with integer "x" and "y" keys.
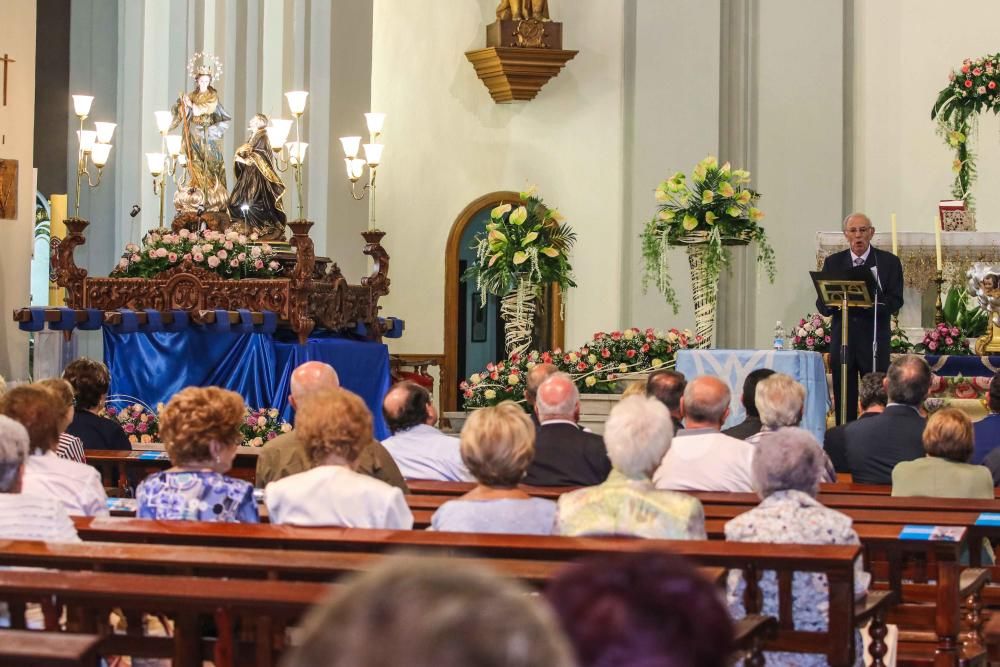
{"x": 787, "y": 468}
{"x": 637, "y": 434}
{"x": 24, "y": 517}
{"x": 781, "y": 401}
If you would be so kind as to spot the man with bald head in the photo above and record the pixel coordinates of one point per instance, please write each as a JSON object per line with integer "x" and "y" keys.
{"x": 284, "y": 456}
{"x": 420, "y": 450}
{"x": 565, "y": 454}
{"x": 535, "y": 377}
{"x": 701, "y": 457}
{"x": 862, "y": 326}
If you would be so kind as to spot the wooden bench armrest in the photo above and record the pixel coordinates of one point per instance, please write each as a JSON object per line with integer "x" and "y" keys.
{"x": 753, "y": 627}
{"x": 972, "y": 581}
{"x": 874, "y": 602}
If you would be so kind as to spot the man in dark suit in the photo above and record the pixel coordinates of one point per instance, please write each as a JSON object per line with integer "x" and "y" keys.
{"x": 751, "y": 424}
{"x": 667, "y": 386}
{"x": 861, "y": 325}
{"x": 877, "y": 444}
{"x": 872, "y": 400}
{"x": 987, "y": 430}
{"x": 565, "y": 454}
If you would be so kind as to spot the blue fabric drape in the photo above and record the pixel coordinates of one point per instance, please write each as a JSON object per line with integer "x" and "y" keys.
{"x": 155, "y": 366}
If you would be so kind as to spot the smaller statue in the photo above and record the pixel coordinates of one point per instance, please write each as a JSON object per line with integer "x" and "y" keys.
{"x": 255, "y": 202}
{"x": 522, "y": 10}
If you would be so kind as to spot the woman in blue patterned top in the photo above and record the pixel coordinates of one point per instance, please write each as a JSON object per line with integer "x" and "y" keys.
{"x": 200, "y": 427}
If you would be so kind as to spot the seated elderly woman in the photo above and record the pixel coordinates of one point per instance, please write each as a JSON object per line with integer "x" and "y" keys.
{"x": 200, "y": 428}
{"x": 70, "y": 447}
{"x": 334, "y": 426}
{"x": 648, "y": 608}
{"x": 945, "y": 471}
{"x": 781, "y": 401}
{"x": 787, "y": 469}
{"x": 76, "y": 485}
{"x": 497, "y": 446}
{"x": 22, "y": 516}
{"x": 431, "y": 612}
{"x": 90, "y": 381}
{"x": 637, "y": 434}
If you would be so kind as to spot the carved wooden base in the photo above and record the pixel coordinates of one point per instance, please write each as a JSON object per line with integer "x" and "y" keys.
{"x": 517, "y": 74}
{"x": 530, "y": 33}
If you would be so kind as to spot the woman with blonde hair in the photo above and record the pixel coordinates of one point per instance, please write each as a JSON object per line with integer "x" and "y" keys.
{"x": 497, "y": 446}
{"x": 200, "y": 428}
{"x": 945, "y": 471}
{"x": 334, "y": 426}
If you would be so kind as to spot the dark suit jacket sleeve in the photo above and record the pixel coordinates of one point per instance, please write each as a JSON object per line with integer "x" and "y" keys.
{"x": 893, "y": 283}
{"x": 992, "y": 461}
{"x": 820, "y": 306}
{"x": 597, "y": 458}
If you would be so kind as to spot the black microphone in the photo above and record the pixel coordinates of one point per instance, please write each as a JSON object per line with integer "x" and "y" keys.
{"x": 135, "y": 210}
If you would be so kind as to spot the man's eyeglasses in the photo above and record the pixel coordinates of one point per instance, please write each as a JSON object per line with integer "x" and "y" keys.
{"x": 857, "y": 230}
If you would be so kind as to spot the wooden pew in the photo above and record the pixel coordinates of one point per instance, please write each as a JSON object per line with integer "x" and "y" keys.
{"x": 835, "y": 561}
{"x": 267, "y": 606}
{"x": 24, "y": 648}
{"x": 107, "y": 461}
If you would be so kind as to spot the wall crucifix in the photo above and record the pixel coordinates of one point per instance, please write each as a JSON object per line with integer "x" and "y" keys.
{"x": 6, "y": 60}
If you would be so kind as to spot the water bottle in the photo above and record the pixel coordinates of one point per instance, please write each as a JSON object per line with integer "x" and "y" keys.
{"x": 779, "y": 336}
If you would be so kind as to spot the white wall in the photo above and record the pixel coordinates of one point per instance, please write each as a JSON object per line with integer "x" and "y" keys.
{"x": 905, "y": 49}
{"x": 17, "y": 120}
{"x": 447, "y": 143}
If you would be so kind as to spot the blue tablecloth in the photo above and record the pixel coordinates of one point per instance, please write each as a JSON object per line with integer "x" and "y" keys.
{"x": 154, "y": 366}
{"x": 966, "y": 365}
{"x": 733, "y": 366}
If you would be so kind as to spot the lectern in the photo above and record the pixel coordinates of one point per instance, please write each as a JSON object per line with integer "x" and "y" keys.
{"x": 844, "y": 290}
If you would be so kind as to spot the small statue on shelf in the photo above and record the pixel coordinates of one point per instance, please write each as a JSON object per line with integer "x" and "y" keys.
{"x": 255, "y": 203}
{"x": 203, "y": 121}
{"x": 521, "y": 10}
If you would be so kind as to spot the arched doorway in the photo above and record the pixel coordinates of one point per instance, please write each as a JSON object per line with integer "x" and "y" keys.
{"x": 471, "y": 333}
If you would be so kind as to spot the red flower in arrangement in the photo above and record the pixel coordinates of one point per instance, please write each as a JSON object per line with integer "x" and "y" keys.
{"x": 968, "y": 83}
{"x": 598, "y": 366}
{"x": 582, "y": 366}
{"x": 494, "y": 375}
{"x": 598, "y": 336}
{"x": 992, "y": 85}
{"x": 606, "y": 353}
{"x": 630, "y": 353}
{"x": 977, "y": 72}
{"x": 965, "y": 68}
{"x": 616, "y": 335}
{"x": 645, "y": 348}
{"x": 546, "y": 358}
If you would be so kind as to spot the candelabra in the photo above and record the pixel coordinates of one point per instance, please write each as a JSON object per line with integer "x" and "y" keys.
{"x": 167, "y": 161}
{"x": 291, "y": 153}
{"x": 373, "y": 158}
{"x": 94, "y": 146}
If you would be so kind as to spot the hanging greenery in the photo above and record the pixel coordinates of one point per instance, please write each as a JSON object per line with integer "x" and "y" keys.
{"x": 972, "y": 89}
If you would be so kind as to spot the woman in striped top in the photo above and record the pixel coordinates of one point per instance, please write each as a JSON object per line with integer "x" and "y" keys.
{"x": 69, "y": 447}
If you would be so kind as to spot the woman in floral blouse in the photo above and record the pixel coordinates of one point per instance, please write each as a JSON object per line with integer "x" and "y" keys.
{"x": 200, "y": 427}
{"x": 787, "y": 469}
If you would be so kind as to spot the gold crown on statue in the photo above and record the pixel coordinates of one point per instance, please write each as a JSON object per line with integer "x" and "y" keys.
{"x": 202, "y": 64}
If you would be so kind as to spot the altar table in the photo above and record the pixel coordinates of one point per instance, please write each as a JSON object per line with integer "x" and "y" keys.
{"x": 154, "y": 366}
{"x": 733, "y": 366}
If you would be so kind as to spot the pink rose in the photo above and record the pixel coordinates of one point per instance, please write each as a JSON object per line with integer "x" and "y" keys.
{"x": 935, "y": 335}
{"x": 222, "y": 254}
{"x": 981, "y": 90}
{"x": 977, "y": 72}
{"x": 827, "y": 339}
{"x": 274, "y": 266}
{"x": 932, "y": 345}
{"x": 143, "y": 427}
{"x": 581, "y": 366}
{"x": 198, "y": 257}
{"x": 128, "y": 428}
{"x": 228, "y": 245}
{"x": 606, "y": 353}
{"x": 234, "y": 263}
{"x": 616, "y": 335}
{"x": 161, "y": 252}
{"x": 134, "y": 258}
{"x": 242, "y": 256}
{"x": 949, "y": 341}
{"x": 152, "y": 254}
{"x": 810, "y": 341}
{"x": 819, "y": 331}
{"x": 123, "y": 263}
{"x": 259, "y": 264}
{"x": 172, "y": 258}
{"x": 968, "y": 83}
{"x": 965, "y": 68}
{"x": 213, "y": 261}
{"x": 992, "y": 85}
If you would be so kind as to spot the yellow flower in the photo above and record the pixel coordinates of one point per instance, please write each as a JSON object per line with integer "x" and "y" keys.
{"x": 592, "y": 358}
{"x": 489, "y": 394}
{"x": 520, "y": 257}
{"x": 741, "y": 176}
{"x": 707, "y": 197}
{"x": 726, "y": 190}
{"x": 628, "y": 334}
{"x": 672, "y": 336}
{"x": 666, "y": 215}
{"x": 661, "y": 193}
{"x": 143, "y": 418}
{"x": 498, "y": 212}
{"x": 475, "y": 378}
{"x": 956, "y": 166}
{"x": 590, "y": 381}
{"x": 261, "y": 421}
{"x": 622, "y": 368}
{"x": 656, "y": 363}
{"x": 512, "y": 379}
{"x": 519, "y": 216}
{"x": 710, "y": 217}
{"x": 273, "y": 413}
{"x": 698, "y": 174}
{"x": 733, "y": 211}
{"x": 690, "y": 222}
{"x": 573, "y": 357}
{"x": 955, "y": 138}
{"x": 725, "y": 169}
{"x": 496, "y": 236}
{"x": 744, "y": 197}
{"x": 556, "y": 216}
{"x": 529, "y": 237}
{"x": 286, "y": 427}
{"x": 756, "y": 214}
{"x": 550, "y": 251}
{"x": 145, "y": 438}
{"x": 709, "y": 163}
{"x": 530, "y": 192}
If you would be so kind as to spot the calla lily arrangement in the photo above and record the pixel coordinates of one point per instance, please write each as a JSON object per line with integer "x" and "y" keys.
{"x": 528, "y": 243}
{"x": 715, "y": 207}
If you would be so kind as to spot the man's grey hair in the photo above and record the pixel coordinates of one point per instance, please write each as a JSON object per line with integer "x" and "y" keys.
{"x": 564, "y": 408}
{"x": 698, "y": 408}
{"x": 780, "y": 400}
{"x": 789, "y": 459}
{"x": 909, "y": 380}
{"x": 637, "y": 435}
{"x": 13, "y": 451}
{"x": 843, "y": 225}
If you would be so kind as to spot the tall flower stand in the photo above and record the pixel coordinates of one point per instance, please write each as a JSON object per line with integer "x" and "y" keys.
{"x": 517, "y": 309}
{"x": 705, "y": 282}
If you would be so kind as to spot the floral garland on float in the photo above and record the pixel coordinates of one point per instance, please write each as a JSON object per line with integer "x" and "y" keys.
{"x": 597, "y": 368}
{"x": 972, "y": 89}
{"x": 229, "y": 254}
{"x": 713, "y": 209}
{"x": 521, "y": 251}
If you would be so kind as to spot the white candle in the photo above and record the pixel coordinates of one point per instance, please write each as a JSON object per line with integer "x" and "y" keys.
{"x": 895, "y": 241}
{"x": 937, "y": 240}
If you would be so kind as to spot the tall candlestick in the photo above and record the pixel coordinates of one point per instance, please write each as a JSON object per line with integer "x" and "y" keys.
{"x": 895, "y": 241}
{"x": 937, "y": 240}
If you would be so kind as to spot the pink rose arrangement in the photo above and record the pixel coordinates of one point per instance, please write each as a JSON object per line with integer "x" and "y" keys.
{"x": 597, "y": 367}
{"x": 229, "y": 254}
{"x": 812, "y": 333}
{"x": 943, "y": 339}
{"x": 261, "y": 426}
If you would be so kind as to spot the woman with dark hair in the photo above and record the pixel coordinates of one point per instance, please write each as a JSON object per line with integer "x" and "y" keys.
{"x": 90, "y": 381}
{"x": 641, "y": 609}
